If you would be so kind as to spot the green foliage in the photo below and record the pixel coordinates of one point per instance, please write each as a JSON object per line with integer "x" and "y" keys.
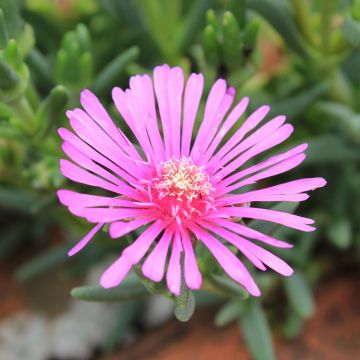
{"x": 256, "y": 332}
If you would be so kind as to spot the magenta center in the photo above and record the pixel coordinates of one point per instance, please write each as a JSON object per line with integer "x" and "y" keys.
{"x": 182, "y": 190}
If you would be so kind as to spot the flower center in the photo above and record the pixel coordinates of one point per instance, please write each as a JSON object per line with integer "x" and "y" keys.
{"x": 182, "y": 189}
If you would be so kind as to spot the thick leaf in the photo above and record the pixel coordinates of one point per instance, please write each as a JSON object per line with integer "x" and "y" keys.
{"x": 256, "y": 331}
{"x": 232, "y": 47}
{"x": 351, "y": 31}
{"x": 298, "y": 103}
{"x": 126, "y": 316}
{"x": 229, "y": 286}
{"x": 270, "y": 228}
{"x": 229, "y": 312}
{"x": 340, "y": 233}
{"x": 299, "y": 294}
{"x": 330, "y": 149}
{"x": 126, "y": 291}
{"x": 279, "y": 14}
{"x": 10, "y": 239}
{"x": 42, "y": 263}
{"x": 113, "y": 70}
{"x": 51, "y": 109}
{"x": 293, "y": 326}
{"x": 192, "y": 22}
{"x": 185, "y": 306}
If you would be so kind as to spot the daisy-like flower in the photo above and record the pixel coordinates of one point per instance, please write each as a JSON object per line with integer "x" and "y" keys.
{"x": 181, "y": 190}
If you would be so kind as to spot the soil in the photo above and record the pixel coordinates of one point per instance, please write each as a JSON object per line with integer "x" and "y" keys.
{"x": 332, "y": 334}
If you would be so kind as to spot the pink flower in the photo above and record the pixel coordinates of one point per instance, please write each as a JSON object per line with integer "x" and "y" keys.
{"x": 181, "y": 191}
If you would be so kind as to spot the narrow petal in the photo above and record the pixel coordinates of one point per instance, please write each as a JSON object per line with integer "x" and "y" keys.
{"x": 142, "y": 89}
{"x": 173, "y": 275}
{"x": 232, "y": 239}
{"x": 254, "y": 252}
{"x": 233, "y": 117}
{"x": 193, "y": 91}
{"x": 289, "y": 191}
{"x": 229, "y": 262}
{"x": 277, "y": 169}
{"x": 94, "y": 155}
{"x": 161, "y": 74}
{"x": 116, "y": 273}
{"x": 250, "y": 123}
{"x": 77, "y": 174}
{"x": 278, "y": 217}
{"x": 95, "y": 215}
{"x": 121, "y": 228}
{"x": 193, "y": 276}
{"x": 264, "y": 164}
{"x": 175, "y": 90}
{"x": 75, "y": 199}
{"x": 85, "y": 240}
{"x": 154, "y": 265}
{"x": 213, "y": 103}
{"x": 277, "y": 137}
{"x": 136, "y": 251}
{"x": 251, "y": 233}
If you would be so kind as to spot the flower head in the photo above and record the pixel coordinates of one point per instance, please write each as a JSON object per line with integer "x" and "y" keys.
{"x": 181, "y": 188}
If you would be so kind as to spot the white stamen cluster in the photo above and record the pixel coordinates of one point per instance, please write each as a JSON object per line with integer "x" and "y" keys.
{"x": 183, "y": 180}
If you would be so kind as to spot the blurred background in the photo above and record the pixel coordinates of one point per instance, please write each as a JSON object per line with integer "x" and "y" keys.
{"x": 300, "y": 56}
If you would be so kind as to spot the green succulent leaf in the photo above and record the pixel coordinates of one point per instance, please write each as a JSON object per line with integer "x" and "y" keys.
{"x": 127, "y": 291}
{"x": 351, "y": 31}
{"x": 231, "y": 311}
{"x": 299, "y": 294}
{"x": 255, "y": 328}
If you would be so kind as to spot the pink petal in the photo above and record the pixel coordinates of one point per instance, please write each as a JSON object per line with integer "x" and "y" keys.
{"x": 232, "y": 239}
{"x": 193, "y": 91}
{"x": 279, "y": 217}
{"x": 154, "y": 266}
{"x": 94, "y": 108}
{"x": 264, "y": 164}
{"x": 173, "y": 275}
{"x": 250, "y": 123}
{"x": 216, "y": 96}
{"x": 116, "y": 273}
{"x": 193, "y": 277}
{"x": 84, "y": 148}
{"x": 142, "y": 90}
{"x": 75, "y": 173}
{"x": 105, "y": 215}
{"x": 277, "y": 137}
{"x": 254, "y": 252}
{"x": 229, "y": 262}
{"x": 120, "y": 228}
{"x": 277, "y": 169}
{"x": 136, "y": 251}
{"x": 161, "y": 74}
{"x": 72, "y": 198}
{"x": 265, "y": 137}
{"x": 233, "y": 117}
{"x": 85, "y": 240}
{"x": 251, "y": 233}
{"x": 175, "y": 90}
